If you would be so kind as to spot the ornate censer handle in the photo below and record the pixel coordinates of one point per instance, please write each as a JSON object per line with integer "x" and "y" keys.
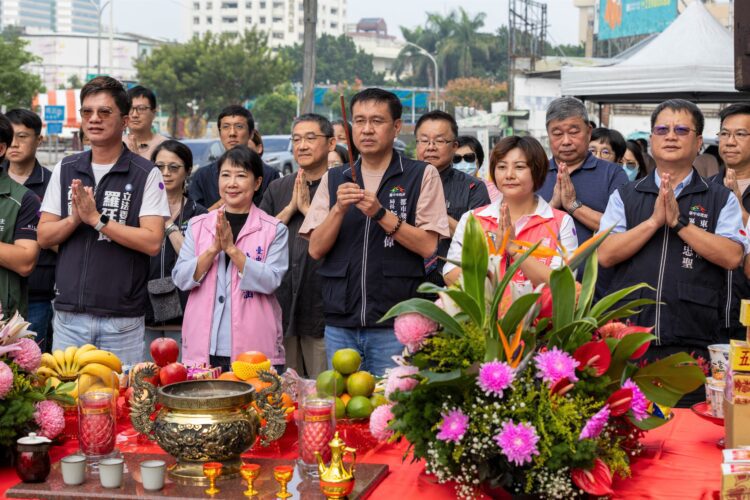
{"x": 143, "y": 403}
{"x": 268, "y": 400}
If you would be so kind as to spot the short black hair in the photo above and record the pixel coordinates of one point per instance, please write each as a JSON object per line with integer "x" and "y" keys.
{"x": 237, "y": 110}
{"x": 326, "y": 128}
{"x": 112, "y": 87}
{"x": 178, "y": 148}
{"x": 635, "y": 148}
{"x": 141, "y": 91}
{"x": 474, "y": 144}
{"x": 681, "y": 105}
{"x": 6, "y": 133}
{"x": 437, "y": 115}
{"x": 379, "y": 95}
{"x": 739, "y": 108}
{"x": 244, "y": 157}
{"x": 614, "y": 138}
{"x": 27, "y": 118}
{"x": 536, "y": 157}
{"x": 643, "y": 143}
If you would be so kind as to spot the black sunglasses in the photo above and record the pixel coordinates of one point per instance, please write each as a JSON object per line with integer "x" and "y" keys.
{"x": 469, "y": 158}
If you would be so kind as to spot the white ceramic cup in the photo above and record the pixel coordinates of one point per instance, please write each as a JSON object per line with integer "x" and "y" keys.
{"x": 73, "y": 469}
{"x": 152, "y": 474}
{"x": 110, "y": 472}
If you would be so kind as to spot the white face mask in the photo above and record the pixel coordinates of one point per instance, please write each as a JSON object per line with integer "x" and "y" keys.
{"x": 466, "y": 167}
{"x": 87, "y": 147}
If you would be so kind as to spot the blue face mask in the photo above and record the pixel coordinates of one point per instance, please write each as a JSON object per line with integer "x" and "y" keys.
{"x": 631, "y": 172}
{"x": 466, "y": 167}
{"x": 87, "y": 147}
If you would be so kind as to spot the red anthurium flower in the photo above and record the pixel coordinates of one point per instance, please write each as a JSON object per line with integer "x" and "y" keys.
{"x": 593, "y": 354}
{"x": 619, "y": 402}
{"x": 596, "y": 481}
{"x": 619, "y": 330}
{"x": 560, "y": 387}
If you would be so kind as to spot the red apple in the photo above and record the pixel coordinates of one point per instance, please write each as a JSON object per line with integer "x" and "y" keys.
{"x": 172, "y": 373}
{"x": 154, "y": 380}
{"x": 164, "y": 351}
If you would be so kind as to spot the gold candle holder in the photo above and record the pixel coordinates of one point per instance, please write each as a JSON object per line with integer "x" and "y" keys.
{"x": 283, "y": 474}
{"x": 249, "y": 473}
{"x": 212, "y": 470}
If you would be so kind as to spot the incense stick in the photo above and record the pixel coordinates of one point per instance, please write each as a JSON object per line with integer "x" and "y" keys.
{"x": 348, "y": 137}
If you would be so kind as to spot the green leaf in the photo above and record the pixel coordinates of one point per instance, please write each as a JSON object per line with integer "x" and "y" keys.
{"x": 588, "y": 286}
{"x": 441, "y": 378}
{"x": 563, "y": 287}
{"x": 493, "y": 350}
{"x": 610, "y": 300}
{"x": 500, "y": 289}
{"x": 474, "y": 257}
{"x": 428, "y": 309}
{"x": 461, "y": 298}
{"x": 625, "y": 311}
{"x": 583, "y": 253}
{"x": 625, "y": 348}
{"x": 516, "y": 313}
{"x": 667, "y": 380}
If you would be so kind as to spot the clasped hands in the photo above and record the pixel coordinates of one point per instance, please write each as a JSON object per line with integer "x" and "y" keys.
{"x": 83, "y": 204}
{"x": 223, "y": 239}
{"x": 666, "y": 210}
{"x": 350, "y": 193}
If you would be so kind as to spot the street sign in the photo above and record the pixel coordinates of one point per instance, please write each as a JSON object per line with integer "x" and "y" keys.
{"x": 54, "y": 113}
{"x": 54, "y": 128}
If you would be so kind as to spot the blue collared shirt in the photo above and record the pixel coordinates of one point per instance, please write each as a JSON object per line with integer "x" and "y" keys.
{"x": 729, "y": 225}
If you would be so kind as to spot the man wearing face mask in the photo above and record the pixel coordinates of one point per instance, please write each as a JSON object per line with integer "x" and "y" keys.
{"x": 469, "y": 158}
{"x": 436, "y": 134}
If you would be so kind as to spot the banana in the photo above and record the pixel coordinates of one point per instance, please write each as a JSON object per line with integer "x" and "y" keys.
{"x": 81, "y": 350}
{"x": 69, "y": 353}
{"x": 46, "y": 372}
{"x": 100, "y": 371}
{"x": 49, "y": 361}
{"x": 84, "y": 383}
{"x": 105, "y": 358}
{"x": 54, "y": 381}
{"x": 60, "y": 360}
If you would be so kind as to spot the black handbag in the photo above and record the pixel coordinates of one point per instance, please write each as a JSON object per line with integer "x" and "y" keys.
{"x": 165, "y": 299}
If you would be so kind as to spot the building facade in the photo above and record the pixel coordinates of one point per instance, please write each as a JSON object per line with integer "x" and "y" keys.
{"x": 283, "y": 20}
{"x": 60, "y": 16}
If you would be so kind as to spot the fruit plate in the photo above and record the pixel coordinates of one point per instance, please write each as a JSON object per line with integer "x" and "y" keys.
{"x": 703, "y": 410}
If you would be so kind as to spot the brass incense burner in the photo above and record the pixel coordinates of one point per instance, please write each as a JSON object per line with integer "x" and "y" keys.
{"x": 207, "y": 421}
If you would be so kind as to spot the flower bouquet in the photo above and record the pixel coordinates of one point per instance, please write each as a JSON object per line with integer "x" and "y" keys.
{"x": 25, "y": 404}
{"x": 533, "y": 392}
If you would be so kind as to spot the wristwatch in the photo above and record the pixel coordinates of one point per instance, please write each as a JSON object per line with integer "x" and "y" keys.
{"x": 575, "y": 206}
{"x": 379, "y": 214}
{"x": 103, "y": 219}
{"x": 682, "y": 221}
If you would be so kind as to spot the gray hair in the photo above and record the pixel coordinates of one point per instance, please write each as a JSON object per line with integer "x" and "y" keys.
{"x": 325, "y": 126}
{"x": 563, "y": 108}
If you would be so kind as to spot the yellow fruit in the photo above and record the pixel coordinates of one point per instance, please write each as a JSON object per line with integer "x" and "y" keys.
{"x": 84, "y": 383}
{"x": 69, "y": 353}
{"x": 245, "y": 370}
{"x": 330, "y": 383}
{"x": 105, "y": 358}
{"x": 360, "y": 384}
{"x": 346, "y": 361}
{"x": 104, "y": 373}
{"x": 54, "y": 381}
{"x": 49, "y": 361}
{"x": 60, "y": 361}
{"x": 82, "y": 350}
{"x": 46, "y": 372}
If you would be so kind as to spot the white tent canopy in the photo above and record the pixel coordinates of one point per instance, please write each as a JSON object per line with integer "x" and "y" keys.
{"x": 692, "y": 59}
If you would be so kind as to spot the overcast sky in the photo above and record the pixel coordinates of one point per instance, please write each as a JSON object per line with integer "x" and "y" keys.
{"x": 167, "y": 18}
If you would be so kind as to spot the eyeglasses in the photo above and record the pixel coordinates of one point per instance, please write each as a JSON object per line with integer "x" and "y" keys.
{"x": 104, "y": 113}
{"x": 375, "y": 122}
{"x": 603, "y": 152}
{"x": 468, "y": 158}
{"x": 680, "y": 130}
{"x": 172, "y": 167}
{"x": 139, "y": 109}
{"x": 740, "y": 135}
{"x": 297, "y": 139}
{"x": 239, "y": 127}
{"x": 439, "y": 143}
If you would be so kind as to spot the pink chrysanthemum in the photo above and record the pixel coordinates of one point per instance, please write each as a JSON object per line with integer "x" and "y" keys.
{"x": 29, "y": 356}
{"x": 6, "y": 379}
{"x": 595, "y": 424}
{"x": 639, "y": 404}
{"x": 379, "y": 419}
{"x": 50, "y": 418}
{"x": 454, "y": 426}
{"x": 555, "y": 364}
{"x": 412, "y": 329}
{"x": 400, "y": 378}
{"x": 517, "y": 442}
{"x": 494, "y": 377}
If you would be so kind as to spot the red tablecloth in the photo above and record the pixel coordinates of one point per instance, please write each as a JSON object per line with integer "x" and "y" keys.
{"x": 681, "y": 460}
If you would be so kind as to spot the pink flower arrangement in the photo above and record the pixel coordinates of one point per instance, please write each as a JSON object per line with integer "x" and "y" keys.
{"x": 639, "y": 404}
{"x": 454, "y": 426}
{"x": 518, "y": 442}
{"x": 401, "y": 378}
{"x": 494, "y": 377}
{"x": 50, "y": 418}
{"x": 595, "y": 424}
{"x": 29, "y": 356}
{"x": 412, "y": 329}
{"x": 555, "y": 364}
{"x": 6, "y": 379}
{"x": 379, "y": 419}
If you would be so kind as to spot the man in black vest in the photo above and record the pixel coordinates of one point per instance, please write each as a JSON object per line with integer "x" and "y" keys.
{"x": 677, "y": 232}
{"x": 374, "y": 232}
{"x": 105, "y": 208}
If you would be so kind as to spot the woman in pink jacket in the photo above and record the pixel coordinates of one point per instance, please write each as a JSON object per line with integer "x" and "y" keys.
{"x": 232, "y": 261}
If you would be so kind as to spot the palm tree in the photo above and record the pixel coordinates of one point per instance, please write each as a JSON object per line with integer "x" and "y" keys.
{"x": 464, "y": 45}
{"x": 410, "y": 56}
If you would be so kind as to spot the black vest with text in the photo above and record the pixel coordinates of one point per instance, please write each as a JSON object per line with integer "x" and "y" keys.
{"x": 13, "y": 287}
{"x": 366, "y": 273}
{"x": 686, "y": 285}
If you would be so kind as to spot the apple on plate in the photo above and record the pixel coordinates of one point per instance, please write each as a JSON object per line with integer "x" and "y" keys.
{"x": 173, "y": 373}
{"x": 164, "y": 351}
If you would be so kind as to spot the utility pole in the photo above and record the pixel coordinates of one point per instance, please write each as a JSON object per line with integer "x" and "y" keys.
{"x": 310, "y": 9}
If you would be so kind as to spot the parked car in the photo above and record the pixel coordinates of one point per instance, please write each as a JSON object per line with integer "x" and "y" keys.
{"x": 204, "y": 151}
{"x": 277, "y": 153}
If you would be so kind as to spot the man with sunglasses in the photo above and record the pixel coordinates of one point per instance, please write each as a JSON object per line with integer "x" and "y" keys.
{"x": 677, "y": 232}
{"x": 436, "y": 133}
{"x": 105, "y": 208}
{"x": 142, "y": 140}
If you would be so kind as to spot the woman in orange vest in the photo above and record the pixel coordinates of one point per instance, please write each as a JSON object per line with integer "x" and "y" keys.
{"x": 518, "y": 166}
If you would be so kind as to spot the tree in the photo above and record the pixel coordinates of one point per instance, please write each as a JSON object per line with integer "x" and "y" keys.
{"x": 213, "y": 71}
{"x": 332, "y": 99}
{"x": 465, "y": 44}
{"x": 17, "y": 86}
{"x": 74, "y": 82}
{"x": 275, "y": 112}
{"x": 337, "y": 59}
{"x": 474, "y": 92}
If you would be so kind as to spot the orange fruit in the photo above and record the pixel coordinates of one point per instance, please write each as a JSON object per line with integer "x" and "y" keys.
{"x": 252, "y": 357}
{"x": 229, "y": 376}
{"x": 360, "y": 384}
{"x": 345, "y": 398}
{"x": 247, "y": 370}
{"x": 258, "y": 384}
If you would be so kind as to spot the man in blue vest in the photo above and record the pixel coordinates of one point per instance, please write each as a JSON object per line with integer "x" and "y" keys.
{"x": 105, "y": 208}
{"x": 19, "y": 213}
{"x": 374, "y": 232}
{"x": 677, "y": 232}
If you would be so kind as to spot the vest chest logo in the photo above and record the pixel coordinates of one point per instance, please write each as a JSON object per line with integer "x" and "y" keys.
{"x": 698, "y": 215}
{"x": 397, "y": 200}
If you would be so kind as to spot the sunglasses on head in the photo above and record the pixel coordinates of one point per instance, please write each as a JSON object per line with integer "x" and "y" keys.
{"x": 469, "y": 158}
